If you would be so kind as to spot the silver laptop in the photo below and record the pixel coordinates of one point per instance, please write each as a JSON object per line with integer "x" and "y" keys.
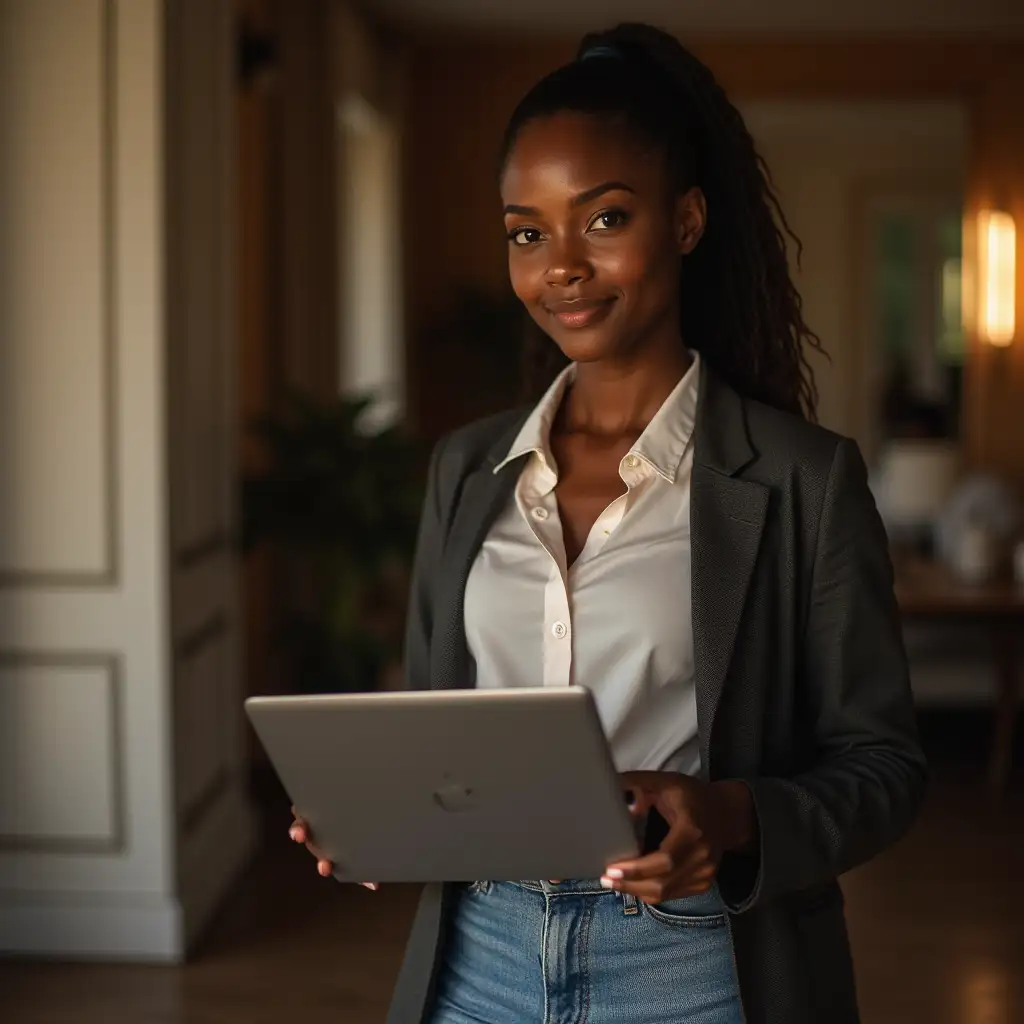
{"x": 453, "y": 785}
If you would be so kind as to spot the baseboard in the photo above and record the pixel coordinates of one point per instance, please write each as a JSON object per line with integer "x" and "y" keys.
{"x": 101, "y": 926}
{"x": 137, "y": 927}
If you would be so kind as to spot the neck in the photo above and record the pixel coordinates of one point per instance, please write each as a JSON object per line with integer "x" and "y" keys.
{"x": 612, "y": 398}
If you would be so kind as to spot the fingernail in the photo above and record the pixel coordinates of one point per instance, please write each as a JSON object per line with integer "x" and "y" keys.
{"x": 294, "y": 832}
{"x": 607, "y": 883}
{"x": 372, "y": 886}
{"x": 324, "y": 869}
{"x": 615, "y": 873}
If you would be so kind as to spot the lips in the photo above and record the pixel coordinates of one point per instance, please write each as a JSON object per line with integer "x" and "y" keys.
{"x": 577, "y": 313}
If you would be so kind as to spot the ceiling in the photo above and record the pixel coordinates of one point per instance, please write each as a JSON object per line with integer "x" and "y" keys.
{"x": 747, "y": 16}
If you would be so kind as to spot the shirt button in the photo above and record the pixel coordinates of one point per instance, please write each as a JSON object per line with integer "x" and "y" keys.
{"x": 558, "y": 630}
{"x": 632, "y": 461}
{"x": 540, "y": 513}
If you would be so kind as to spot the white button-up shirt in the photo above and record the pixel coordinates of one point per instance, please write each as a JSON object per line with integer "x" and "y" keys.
{"x": 618, "y": 620}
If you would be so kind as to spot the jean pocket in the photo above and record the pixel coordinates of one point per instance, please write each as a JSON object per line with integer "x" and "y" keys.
{"x": 703, "y": 911}
{"x": 478, "y": 888}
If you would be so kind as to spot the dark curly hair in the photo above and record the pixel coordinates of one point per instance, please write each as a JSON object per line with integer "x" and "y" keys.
{"x": 739, "y": 306}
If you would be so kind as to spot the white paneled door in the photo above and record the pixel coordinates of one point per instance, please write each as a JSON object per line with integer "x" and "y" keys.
{"x": 120, "y": 752}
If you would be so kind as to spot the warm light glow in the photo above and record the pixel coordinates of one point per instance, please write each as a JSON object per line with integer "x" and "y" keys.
{"x": 997, "y": 277}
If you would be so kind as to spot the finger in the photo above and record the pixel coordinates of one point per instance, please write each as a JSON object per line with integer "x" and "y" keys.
{"x": 682, "y": 837}
{"x": 325, "y": 868}
{"x": 652, "y": 865}
{"x": 641, "y": 803}
{"x": 649, "y": 783}
{"x": 693, "y": 876}
{"x": 298, "y": 832}
{"x": 372, "y": 886}
{"x": 640, "y": 790}
{"x": 654, "y": 893}
{"x": 675, "y": 849}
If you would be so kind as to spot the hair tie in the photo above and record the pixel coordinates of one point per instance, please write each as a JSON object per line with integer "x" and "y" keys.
{"x": 603, "y": 50}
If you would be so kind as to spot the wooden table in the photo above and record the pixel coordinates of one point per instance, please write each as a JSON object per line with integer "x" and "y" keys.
{"x": 926, "y": 592}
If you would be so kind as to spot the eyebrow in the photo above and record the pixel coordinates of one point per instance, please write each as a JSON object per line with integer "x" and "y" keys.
{"x": 578, "y": 200}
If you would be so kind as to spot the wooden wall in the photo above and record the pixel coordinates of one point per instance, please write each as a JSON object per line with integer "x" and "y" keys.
{"x": 287, "y": 287}
{"x": 460, "y": 90}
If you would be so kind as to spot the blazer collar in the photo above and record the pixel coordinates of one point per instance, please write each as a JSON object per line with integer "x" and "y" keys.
{"x": 722, "y": 439}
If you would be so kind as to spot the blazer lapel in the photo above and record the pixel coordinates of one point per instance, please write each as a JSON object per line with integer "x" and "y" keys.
{"x": 484, "y": 494}
{"x": 727, "y": 516}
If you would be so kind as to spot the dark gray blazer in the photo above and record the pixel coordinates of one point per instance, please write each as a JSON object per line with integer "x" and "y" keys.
{"x": 801, "y": 677}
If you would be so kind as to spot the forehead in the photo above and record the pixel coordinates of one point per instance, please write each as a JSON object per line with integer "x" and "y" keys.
{"x": 571, "y": 152}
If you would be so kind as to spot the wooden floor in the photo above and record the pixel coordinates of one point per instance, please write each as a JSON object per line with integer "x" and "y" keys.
{"x": 937, "y": 926}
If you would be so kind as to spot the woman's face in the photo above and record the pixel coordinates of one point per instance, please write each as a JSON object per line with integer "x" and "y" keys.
{"x": 595, "y": 234}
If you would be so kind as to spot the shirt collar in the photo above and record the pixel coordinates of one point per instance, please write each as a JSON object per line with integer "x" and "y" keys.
{"x": 535, "y": 433}
{"x": 662, "y": 444}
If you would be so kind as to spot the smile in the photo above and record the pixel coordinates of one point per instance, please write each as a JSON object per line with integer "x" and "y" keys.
{"x": 581, "y": 313}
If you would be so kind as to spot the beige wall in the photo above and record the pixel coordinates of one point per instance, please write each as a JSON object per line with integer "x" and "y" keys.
{"x": 828, "y": 159}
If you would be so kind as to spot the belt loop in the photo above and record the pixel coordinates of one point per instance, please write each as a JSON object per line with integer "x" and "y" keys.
{"x": 630, "y": 904}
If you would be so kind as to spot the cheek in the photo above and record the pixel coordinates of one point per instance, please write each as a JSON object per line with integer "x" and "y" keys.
{"x": 640, "y": 271}
{"x": 524, "y": 277}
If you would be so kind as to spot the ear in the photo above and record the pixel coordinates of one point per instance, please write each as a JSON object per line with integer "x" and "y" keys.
{"x": 691, "y": 215}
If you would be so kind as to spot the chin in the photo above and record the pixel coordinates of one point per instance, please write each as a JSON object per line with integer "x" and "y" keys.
{"x": 586, "y": 346}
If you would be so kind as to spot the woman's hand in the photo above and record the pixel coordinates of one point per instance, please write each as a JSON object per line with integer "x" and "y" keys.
{"x": 299, "y": 832}
{"x": 705, "y": 820}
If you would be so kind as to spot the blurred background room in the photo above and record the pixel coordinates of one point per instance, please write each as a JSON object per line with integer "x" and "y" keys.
{"x": 252, "y": 265}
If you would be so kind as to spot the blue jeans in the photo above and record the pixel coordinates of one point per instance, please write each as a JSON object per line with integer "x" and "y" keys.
{"x": 574, "y": 953}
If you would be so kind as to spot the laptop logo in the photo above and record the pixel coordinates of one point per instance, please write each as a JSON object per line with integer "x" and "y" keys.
{"x": 455, "y": 798}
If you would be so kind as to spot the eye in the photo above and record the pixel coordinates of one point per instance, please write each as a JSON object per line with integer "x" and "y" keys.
{"x": 608, "y": 219}
{"x": 524, "y": 236}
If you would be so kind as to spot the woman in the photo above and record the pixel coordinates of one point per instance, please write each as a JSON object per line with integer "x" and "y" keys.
{"x": 667, "y": 528}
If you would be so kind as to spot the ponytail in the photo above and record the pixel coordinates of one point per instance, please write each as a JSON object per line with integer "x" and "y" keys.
{"x": 738, "y": 305}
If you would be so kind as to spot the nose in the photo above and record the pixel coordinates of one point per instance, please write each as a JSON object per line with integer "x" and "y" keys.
{"x": 568, "y": 266}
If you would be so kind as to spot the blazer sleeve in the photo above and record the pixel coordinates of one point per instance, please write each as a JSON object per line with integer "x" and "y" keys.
{"x": 426, "y": 561}
{"x": 869, "y": 773}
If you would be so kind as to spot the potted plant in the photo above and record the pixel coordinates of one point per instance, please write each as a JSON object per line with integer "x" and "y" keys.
{"x": 342, "y": 503}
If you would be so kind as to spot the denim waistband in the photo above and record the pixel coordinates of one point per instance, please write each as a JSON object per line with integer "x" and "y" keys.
{"x": 709, "y": 902}
{"x": 566, "y": 887}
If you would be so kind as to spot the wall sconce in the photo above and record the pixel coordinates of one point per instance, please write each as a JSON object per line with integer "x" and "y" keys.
{"x": 997, "y": 277}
